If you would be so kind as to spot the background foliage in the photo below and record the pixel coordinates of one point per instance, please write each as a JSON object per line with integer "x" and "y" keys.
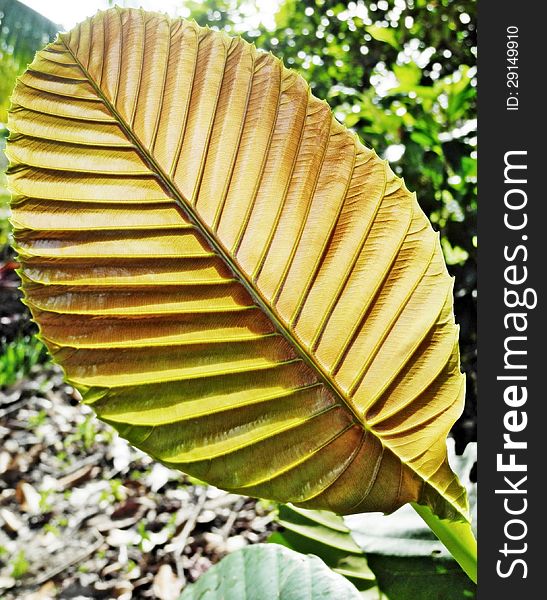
{"x": 401, "y": 73}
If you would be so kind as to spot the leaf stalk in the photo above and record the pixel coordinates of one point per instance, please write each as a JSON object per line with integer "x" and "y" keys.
{"x": 457, "y": 536}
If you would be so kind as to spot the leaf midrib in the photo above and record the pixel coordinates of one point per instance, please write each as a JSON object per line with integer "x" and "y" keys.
{"x": 243, "y": 279}
{"x": 215, "y": 244}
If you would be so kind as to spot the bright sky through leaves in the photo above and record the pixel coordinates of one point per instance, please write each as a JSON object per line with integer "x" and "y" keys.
{"x": 69, "y": 12}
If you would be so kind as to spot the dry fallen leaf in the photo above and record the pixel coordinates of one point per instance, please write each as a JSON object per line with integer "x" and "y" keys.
{"x": 5, "y": 459}
{"x": 48, "y": 591}
{"x": 10, "y": 521}
{"x": 77, "y": 477}
{"x": 28, "y": 498}
{"x": 6, "y": 583}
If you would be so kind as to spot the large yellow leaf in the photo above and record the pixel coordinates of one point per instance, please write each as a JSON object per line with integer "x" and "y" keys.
{"x": 227, "y": 274}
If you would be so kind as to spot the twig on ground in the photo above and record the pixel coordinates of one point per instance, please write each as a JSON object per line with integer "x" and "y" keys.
{"x": 227, "y": 527}
{"x": 179, "y": 542}
{"x": 71, "y": 561}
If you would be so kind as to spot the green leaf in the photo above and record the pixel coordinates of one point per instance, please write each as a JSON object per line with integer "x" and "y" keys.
{"x": 384, "y": 34}
{"x": 454, "y": 255}
{"x": 408, "y": 75}
{"x": 420, "y": 578}
{"x": 270, "y": 572}
{"x": 423, "y": 139}
{"x": 324, "y": 534}
{"x": 469, "y": 167}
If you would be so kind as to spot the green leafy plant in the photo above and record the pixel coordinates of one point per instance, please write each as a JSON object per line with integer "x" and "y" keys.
{"x": 267, "y": 571}
{"x": 19, "y": 565}
{"x": 230, "y": 277}
{"x": 324, "y": 534}
{"x": 18, "y": 357}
